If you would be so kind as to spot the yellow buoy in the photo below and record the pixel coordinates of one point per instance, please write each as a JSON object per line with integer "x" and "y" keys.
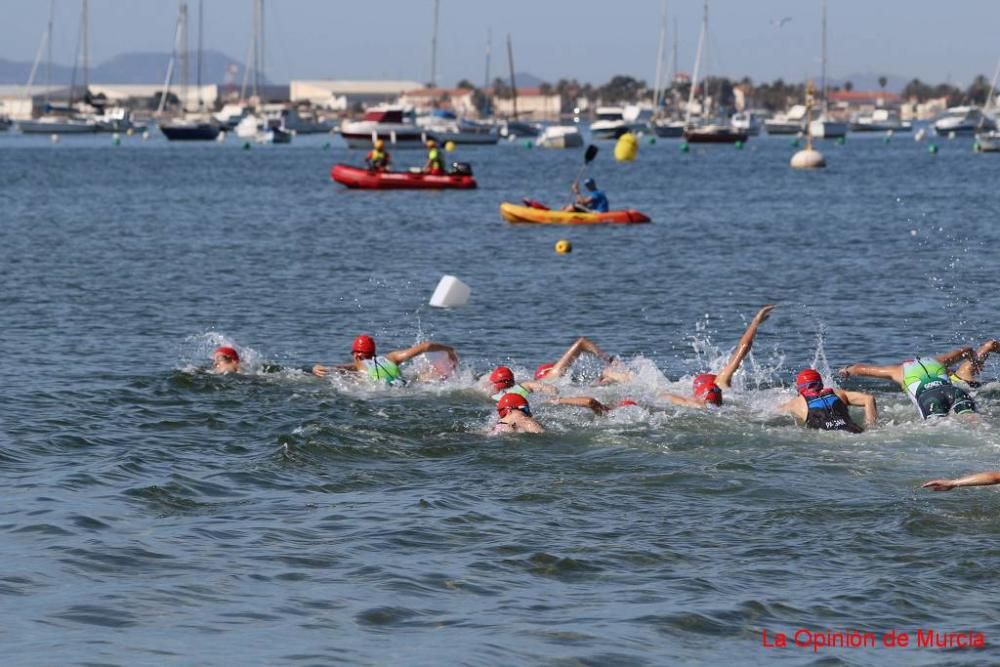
{"x": 627, "y": 147}
{"x": 563, "y": 247}
{"x": 449, "y": 146}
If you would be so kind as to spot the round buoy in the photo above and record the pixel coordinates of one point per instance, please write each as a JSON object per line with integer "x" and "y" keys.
{"x": 129, "y": 132}
{"x": 529, "y": 144}
{"x": 652, "y": 140}
{"x": 246, "y": 145}
{"x": 627, "y": 147}
{"x": 808, "y": 159}
{"x": 54, "y": 138}
{"x": 116, "y": 139}
{"x": 977, "y": 147}
{"x": 449, "y": 146}
{"x": 739, "y": 145}
{"x": 951, "y": 135}
{"x": 887, "y": 138}
{"x": 145, "y": 135}
{"x": 840, "y": 141}
{"x": 932, "y": 149}
{"x": 564, "y": 247}
{"x": 684, "y": 147}
{"x": 795, "y": 143}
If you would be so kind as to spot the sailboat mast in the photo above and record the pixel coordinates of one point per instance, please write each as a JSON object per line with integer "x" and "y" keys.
{"x": 256, "y": 47}
{"x": 86, "y": 47}
{"x": 513, "y": 83}
{"x": 673, "y": 65}
{"x": 185, "y": 56}
{"x": 201, "y": 30}
{"x": 170, "y": 66}
{"x": 48, "y": 65}
{"x": 659, "y": 58}
{"x": 822, "y": 79}
{"x": 697, "y": 66}
{"x": 489, "y": 51}
{"x": 434, "y": 46}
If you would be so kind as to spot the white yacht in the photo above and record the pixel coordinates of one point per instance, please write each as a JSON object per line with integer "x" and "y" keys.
{"x": 445, "y": 126}
{"x": 746, "y": 121}
{"x": 613, "y": 122}
{"x": 392, "y": 124}
{"x": 880, "y": 120}
{"x": 792, "y": 121}
{"x": 560, "y": 136}
{"x": 52, "y": 124}
{"x": 825, "y": 127}
{"x": 963, "y": 121}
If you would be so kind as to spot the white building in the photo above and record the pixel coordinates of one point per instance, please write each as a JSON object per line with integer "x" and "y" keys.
{"x": 339, "y": 94}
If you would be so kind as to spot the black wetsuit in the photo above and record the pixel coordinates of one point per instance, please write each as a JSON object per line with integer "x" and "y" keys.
{"x": 828, "y": 413}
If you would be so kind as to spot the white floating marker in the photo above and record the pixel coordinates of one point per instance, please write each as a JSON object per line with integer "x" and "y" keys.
{"x": 450, "y": 293}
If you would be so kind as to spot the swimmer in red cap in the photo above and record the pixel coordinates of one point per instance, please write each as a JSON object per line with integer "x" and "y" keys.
{"x": 502, "y": 383}
{"x": 979, "y": 479}
{"x": 707, "y": 387}
{"x": 379, "y": 368}
{"x": 225, "y": 360}
{"x": 515, "y": 416}
{"x": 549, "y": 371}
{"x": 825, "y": 409}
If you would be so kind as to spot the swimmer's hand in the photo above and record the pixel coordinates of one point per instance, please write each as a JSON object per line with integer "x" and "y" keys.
{"x": 844, "y": 372}
{"x": 320, "y": 371}
{"x": 940, "y": 485}
{"x": 763, "y": 313}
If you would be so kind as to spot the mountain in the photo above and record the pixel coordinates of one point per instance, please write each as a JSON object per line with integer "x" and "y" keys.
{"x": 131, "y": 68}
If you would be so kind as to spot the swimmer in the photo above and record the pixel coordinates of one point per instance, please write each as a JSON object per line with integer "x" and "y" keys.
{"x": 515, "y": 416}
{"x": 502, "y": 381}
{"x": 708, "y": 386}
{"x": 591, "y": 403}
{"x": 979, "y": 479}
{"x": 383, "y": 368}
{"x": 925, "y": 380}
{"x": 966, "y": 376}
{"x": 612, "y": 371}
{"x": 225, "y": 360}
{"x": 826, "y": 409}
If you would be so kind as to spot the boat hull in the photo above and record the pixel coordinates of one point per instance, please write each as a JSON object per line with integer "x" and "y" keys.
{"x": 526, "y": 214}
{"x": 668, "y": 130}
{"x": 201, "y": 132}
{"x": 353, "y": 177}
{"x": 827, "y": 129}
{"x": 727, "y": 136}
{"x": 57, "y": 127}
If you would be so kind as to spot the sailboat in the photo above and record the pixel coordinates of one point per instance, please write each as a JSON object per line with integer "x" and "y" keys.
{"x": 67, "y": 122}
{"x": 987, "y": 137}
{"x": 189, "y": 127}
{"x": 263, "y": 128}
{"x": 824, "y": 127}
{"x": 663, "y": 125}
{"x": 707, "y": 133}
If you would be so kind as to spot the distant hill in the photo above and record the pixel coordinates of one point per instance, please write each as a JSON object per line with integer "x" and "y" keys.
{"x": 134, "y": 68}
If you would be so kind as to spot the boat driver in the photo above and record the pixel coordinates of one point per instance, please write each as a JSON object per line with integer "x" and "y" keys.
{"x": 378, "y": 158}
{"x": 435, "y": 162}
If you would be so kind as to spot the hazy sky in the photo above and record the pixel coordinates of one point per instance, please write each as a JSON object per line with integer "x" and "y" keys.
{"x": 587, "y": 39}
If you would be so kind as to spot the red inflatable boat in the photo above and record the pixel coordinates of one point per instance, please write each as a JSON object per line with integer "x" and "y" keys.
{"x": 353, "y": 177}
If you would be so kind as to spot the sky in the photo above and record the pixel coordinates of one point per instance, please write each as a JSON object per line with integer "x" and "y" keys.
{"x": 590, "y": 40}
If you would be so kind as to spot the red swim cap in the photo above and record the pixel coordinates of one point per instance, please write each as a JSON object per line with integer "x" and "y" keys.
{"x": 706, "y": 389}
{"x": 502, "y": 377}
{"x": 227, "y": 351}
{"x": 365, "y": 345}
{"x": 808, "y": 381}
{"x": 543, "y": 370}
{"x": 510, "y": 402}
{"x": 625, "y": 402}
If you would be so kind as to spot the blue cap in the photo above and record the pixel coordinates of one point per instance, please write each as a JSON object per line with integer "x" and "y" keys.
{"x": 590, "y": 184}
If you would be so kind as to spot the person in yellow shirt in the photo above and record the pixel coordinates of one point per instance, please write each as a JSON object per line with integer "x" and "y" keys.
{"x": 435, "y": 161}
{"x": 378, "y": 158}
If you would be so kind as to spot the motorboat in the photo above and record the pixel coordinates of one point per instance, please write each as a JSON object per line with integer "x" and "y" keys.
{"x": 988, "y": 142}
{"x": 193, "y": 127}
{"x": 52, "y": 124}
{"x": 230, "y": 115}
{"x": 963, "y": 121}
{"x": 306, "y": 121}
{"x": 825, "y": 127}
{"x": 512, "y": 129}
{"x": 667, "y": 128}
{"x": 460, "y": 178}
{"x": 117, "y": 119}
{"x": 445, "y": 126}
{"x": 714, "y": 133}
{"x": 560, "y": 136}
{"x": 792, "y": 121}
{"x": 746, "y": 121}
{"x": 880, "y": 120}
{"x": 613, "y": 122}
{"x": 392, "y": 124}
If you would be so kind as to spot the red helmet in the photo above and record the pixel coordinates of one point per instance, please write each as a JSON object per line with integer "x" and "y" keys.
{"x": 808, "y": 381}
{"x": 510, "y": 402}
{"x": 364, "y": 345}
{"x": 502, "y": 377}
{"x": 228, "y": 351}
{"x": 706, "y": 389}
{"x": 543, "y": 370}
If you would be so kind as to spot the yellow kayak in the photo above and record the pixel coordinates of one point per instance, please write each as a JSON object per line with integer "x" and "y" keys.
{"x": 540, "y": 216}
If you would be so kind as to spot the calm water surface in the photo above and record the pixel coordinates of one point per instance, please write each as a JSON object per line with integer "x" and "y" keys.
{"x": 156, "y": 514}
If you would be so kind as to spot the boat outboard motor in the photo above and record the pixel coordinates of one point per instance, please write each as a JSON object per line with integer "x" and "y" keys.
{"x": 461, "y": 168}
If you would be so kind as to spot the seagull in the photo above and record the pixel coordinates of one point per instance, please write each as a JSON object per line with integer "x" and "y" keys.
{"x": 778, "y": 23}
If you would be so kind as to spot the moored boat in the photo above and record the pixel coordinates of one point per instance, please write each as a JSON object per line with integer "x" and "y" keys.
{"x": 356, "y": 177}
{"x": 391, "y": 124}
{"x": 560, "y": 136}
{"x": 715, "y": 134}
{"x": 542, "y": 216}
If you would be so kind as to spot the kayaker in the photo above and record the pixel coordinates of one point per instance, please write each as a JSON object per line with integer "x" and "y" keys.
{"x": 593, "y": 202}
{"x": 825, "y": 409}
{"x": 435, "y": 162}
{"x": 384, "y": 368}
{"x": 225, "y": 360}
{"x": 515, "y": 416}
{"x": 708, "y": 386}
{"x": 979, "y": 479}
{"x": 926, "y": 381}
{"x": 378, "y": 158}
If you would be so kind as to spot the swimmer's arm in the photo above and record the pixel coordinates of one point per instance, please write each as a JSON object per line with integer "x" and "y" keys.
{"x": 321, "y": 371}
{"x": 579, "y": 346}
{"x": 583, "y": 402}
{"x": 862, "y": 400}
{"x": 682, "y": 400}
{"x": 793, "y": 406}
{"x": 539, "y": 387}
{"x": 529, "y": 425}
{"x": 399, "y": 356}
{"x": 950, "y": 358}
{"x": 894, "y": 372}
{"x": 724, "y": 378}
{"x": 979, "y": 479}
